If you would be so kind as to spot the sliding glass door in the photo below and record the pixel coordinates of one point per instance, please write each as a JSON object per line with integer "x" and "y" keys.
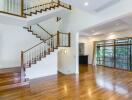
{"x": 122, "y": 54}
{"x": 115, "y": 53}
{"x": 109, "y": 53}
{"x": 100, "y": 53}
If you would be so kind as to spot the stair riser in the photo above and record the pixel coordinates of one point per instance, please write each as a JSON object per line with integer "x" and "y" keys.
{"x": 12, "y": 86}
{"x": 40, "y": 11}
{"x": 9, "y": 75}
{"x": 9, "y": 82}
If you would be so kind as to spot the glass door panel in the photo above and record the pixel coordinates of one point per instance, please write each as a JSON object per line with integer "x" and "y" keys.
{"x": 130, "y": 54}
{"x": 122, "y": 57}
{"x": 100, "y": 53}
{"x": 109, "y": 56}
{"x": 109, "y": 53}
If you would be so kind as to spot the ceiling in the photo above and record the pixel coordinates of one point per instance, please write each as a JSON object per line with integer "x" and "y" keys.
{"x": 122, "y": 25}
{"x": 92, "y": 5}
{"x": 119, "y": 25}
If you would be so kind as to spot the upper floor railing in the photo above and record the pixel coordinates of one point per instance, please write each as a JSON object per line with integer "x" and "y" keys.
{"x": 28, "y": 7}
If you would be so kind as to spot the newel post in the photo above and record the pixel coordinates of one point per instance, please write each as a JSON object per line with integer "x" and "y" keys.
{"x": 22, "y": 8}
{"x": 70, "y": 7}
{"x": 69, "y": 39}
{"x": 58, "y": 2}
{"x": 58, "y": 39}
{"x": 22, "y": 59}
{"x": 22, "y": 67}
{"x": 52, "y": 42}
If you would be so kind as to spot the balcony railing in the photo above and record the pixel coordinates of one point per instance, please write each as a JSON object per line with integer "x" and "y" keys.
{"x": 28, "y": 7}
{"x": 12, "y": 7}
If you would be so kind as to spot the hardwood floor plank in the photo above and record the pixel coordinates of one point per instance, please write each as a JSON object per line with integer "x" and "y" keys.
{"x": 93, "y": 83}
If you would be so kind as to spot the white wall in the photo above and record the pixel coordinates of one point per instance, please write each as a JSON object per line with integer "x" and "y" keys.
{"x": 47, "y": 66}
{"x": 89, "y": 41}
{"x": 13, "y": 40}
{"x": 51, "y": 25}
{"x": 74, "y": 22}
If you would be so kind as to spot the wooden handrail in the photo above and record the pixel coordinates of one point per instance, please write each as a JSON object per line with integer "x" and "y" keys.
{"x": 39, "y": 44}
{"x": 32, "y": 47}
{"x": 22, "y": 58}
{"x": 22, "y": 7}
{"x": 58, "y": 39}
{"x": 62, "y": 32}
{"x": 22, "y": 67}
{"x": 12, "y": 14}
{"x": 39, "y": 5}
{"x": 44, "y": 29}
{"x": 69, "y": 39}
{"x": 35, "y": 53}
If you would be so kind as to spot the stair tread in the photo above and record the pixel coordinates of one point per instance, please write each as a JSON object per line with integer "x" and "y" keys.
{"x": 11, "y": 86}
{"x": 6, "y": 75}
{"x": 10, "y": 77}
{"x": 10, "y": 70}
{"x": 10, "y": 81}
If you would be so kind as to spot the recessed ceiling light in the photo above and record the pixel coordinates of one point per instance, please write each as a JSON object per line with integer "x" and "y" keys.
{"x": 86, "y": 4}
{"x": 96, "y": 33}
{"x": 111, "y": 33}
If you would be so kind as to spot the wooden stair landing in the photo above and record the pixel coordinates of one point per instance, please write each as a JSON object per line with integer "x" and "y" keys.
{"x": 11, "y": 78}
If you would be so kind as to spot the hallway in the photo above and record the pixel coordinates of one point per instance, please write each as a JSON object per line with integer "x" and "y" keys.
{"x": 98, "y": 83}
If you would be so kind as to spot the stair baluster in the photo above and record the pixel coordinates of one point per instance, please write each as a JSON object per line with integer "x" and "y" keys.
{"x": 39, "y": 51}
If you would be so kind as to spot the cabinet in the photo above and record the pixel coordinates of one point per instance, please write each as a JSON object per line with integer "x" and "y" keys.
{"x": 83, "y": 59}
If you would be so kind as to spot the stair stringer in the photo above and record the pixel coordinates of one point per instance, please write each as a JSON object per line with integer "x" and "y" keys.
{"x": 20, "y": 21}
{"x": 58, "y": 12}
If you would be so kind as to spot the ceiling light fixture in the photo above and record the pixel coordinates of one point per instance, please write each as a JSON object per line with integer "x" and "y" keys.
{"x": 96, "y": 33}
{"x": 86, "y": 4}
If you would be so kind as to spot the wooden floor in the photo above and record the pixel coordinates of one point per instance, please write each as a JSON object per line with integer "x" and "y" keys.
{"x": 98, "y": 83}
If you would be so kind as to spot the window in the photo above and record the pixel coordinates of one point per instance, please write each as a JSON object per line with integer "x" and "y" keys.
{"x": 115, "y": 53}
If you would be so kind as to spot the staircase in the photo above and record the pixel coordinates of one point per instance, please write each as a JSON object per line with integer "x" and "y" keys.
{"x": 42, "y": 36}
{"x": 15, "y": 77}
{"x": 25, "y": 8}
{"x": 43, "y": 7}
{"x": 38, "y": 52}
{"x": 11, "y": 78}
